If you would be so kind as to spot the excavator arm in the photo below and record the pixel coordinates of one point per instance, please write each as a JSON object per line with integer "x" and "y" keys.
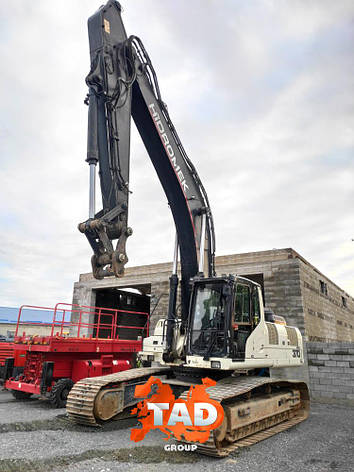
{"x": 122, "y": 83}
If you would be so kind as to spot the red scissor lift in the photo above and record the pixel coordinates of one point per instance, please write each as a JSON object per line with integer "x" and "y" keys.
{"x": 83, "y": 342}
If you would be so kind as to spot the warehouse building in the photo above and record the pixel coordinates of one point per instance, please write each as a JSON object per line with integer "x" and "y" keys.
{"x": 33, "y": 321}
{"x": 292, "y": 288}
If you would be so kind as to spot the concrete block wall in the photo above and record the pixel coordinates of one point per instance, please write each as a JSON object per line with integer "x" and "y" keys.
{"x": 283, "y": 292}
{"x": 159, "y": 301}
{"x": 327, "y": 318}
{"x": 331, "y": 372}
{"x": 281, "y": 276}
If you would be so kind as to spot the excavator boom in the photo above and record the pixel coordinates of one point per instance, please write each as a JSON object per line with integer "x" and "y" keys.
{"x": 122, "y": 83}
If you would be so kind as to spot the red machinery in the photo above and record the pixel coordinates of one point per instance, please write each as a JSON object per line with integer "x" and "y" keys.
{"x": 17, "y": 358}
{"x": 6, "y": 350}
{"x": 83, "y": 342}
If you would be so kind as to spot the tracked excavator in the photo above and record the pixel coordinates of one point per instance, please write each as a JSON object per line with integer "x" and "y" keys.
{"x": 221, "y": 330}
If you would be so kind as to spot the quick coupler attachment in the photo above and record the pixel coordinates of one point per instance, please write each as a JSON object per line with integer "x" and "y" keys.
{"x": 107, "y": 261}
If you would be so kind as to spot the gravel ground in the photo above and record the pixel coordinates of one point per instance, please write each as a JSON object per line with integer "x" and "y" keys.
{"x": 35, "y": 437}
{"x": 12, "y": 410}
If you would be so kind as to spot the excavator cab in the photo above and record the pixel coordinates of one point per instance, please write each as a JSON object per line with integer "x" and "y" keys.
{"x": 228, "y": 329}
{"x": 224, "y": 312}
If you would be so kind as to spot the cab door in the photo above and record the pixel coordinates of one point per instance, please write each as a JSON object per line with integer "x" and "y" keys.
{"x": 247, "y": 315}
{"x": 242, "y": 319}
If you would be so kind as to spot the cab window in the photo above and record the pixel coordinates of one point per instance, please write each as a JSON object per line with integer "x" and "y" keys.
{"x": 242, "y": 304}
{"x": 256, "y": 307}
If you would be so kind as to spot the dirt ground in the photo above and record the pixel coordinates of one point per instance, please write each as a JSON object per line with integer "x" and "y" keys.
{"x": 35, "y": 437}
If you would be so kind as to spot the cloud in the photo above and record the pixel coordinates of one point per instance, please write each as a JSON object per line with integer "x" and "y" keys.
{"x": 261, "y": 94}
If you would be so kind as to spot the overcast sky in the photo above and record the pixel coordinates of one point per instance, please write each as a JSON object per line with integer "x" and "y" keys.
{"x": 261, "y": 93}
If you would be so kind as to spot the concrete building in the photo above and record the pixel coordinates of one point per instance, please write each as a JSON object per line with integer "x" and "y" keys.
{"x": 292, "y": 287}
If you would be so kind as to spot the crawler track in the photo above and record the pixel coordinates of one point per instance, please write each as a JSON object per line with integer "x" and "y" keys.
{"x": 255, "y": 407}
{"x": 80, "y": 405}
{"x": 240, "y": 391}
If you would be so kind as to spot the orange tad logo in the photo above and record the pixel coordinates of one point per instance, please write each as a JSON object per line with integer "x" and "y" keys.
{"x": 192, "y": 419}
